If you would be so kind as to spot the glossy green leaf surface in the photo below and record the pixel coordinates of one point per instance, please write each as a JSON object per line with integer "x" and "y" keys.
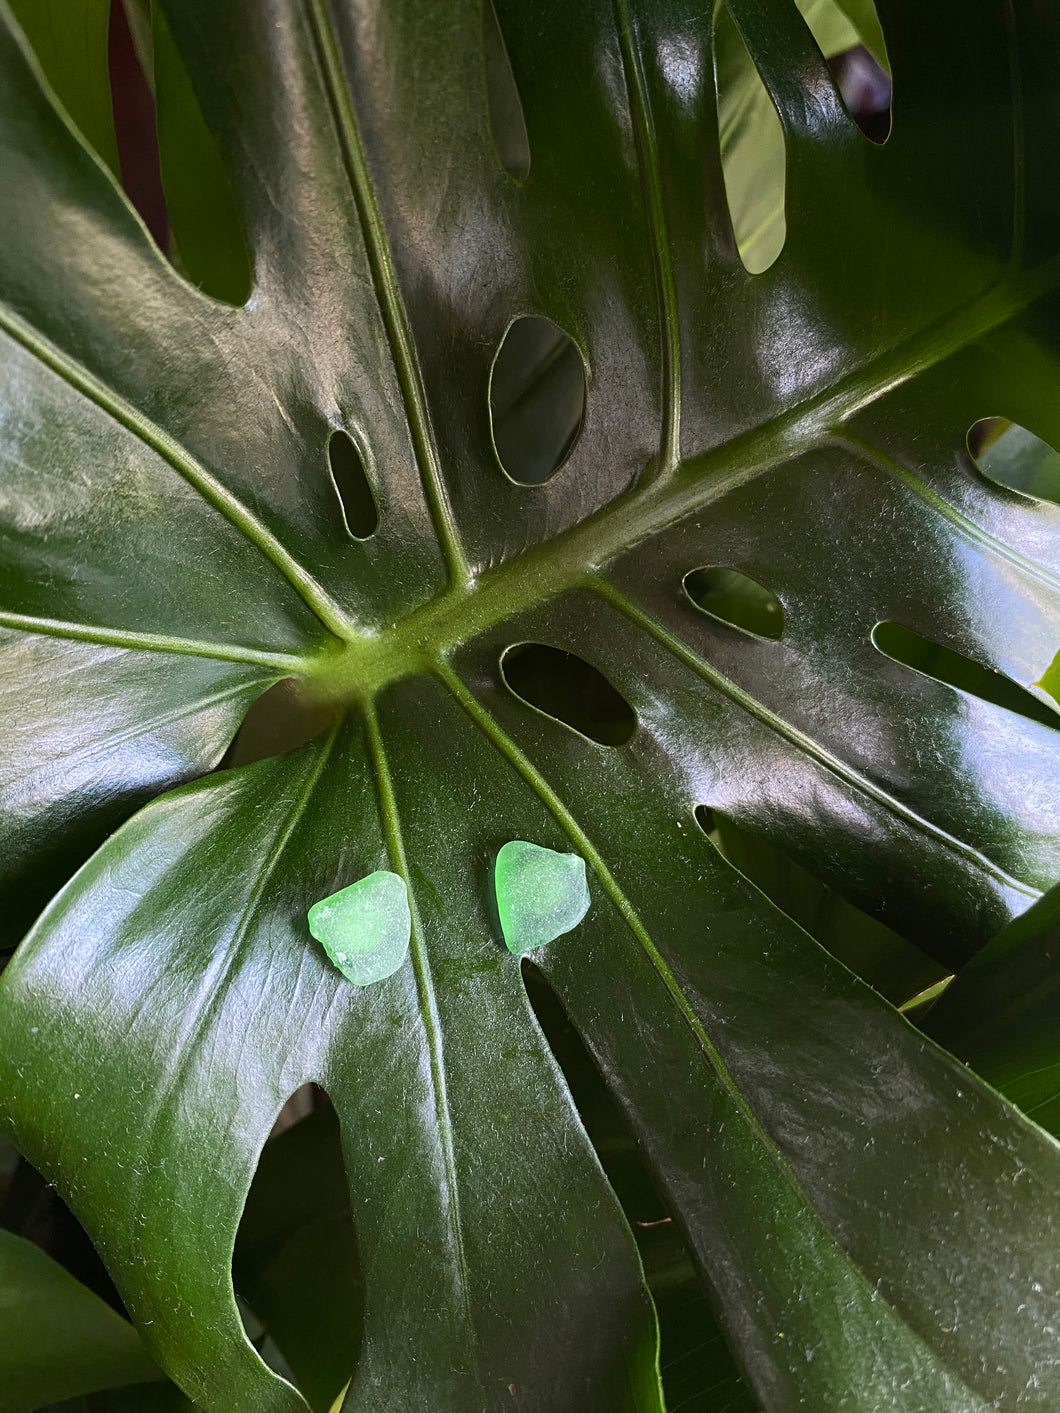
{"x": 877, "y": 1229}
{"x": 57, "y": 1338}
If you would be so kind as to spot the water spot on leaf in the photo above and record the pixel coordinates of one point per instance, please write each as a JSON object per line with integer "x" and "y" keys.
{"x": 507, "y": 123}
{"x": 365, "y": 928}
{"x": 352, "y": 486}
{"x": 541, "y": 894}
{"x": 736, "y": 598}
{"x": 569, "y": 689}
{"x": 1011, "y": 456}
{"x": 911, "y": 649}
{"x": 536, "y": 399}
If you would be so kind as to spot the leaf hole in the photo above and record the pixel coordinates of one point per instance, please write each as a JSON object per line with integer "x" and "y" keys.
{"x": 208, "y": 243}
{"x": 883, "y": 958}
{"x": 942, "y": 664}
{"x": 693, "y": 1352}
{"x": 1013, "y": 457}
{"x": 753, "y": 153}
{"x": 280, "y": 720}
{"x": 296, "y": 1269}
{"x": 570, "y": 690}
{"x": 736, "y": 598}
{"x": 171, "y": 168}
{"x": 507, "y": 122}
{"x": 865, "y": 87}
{"x": 135, "y": 127}
{"x": 753, "y": 158}
{"x": 536, "y": 399}
{"x": 359, "y": 511}
{"x": 30, "y": 1207}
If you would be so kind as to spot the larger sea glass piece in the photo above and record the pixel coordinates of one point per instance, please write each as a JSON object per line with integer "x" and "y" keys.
{"x": 541, "y": 894}
{"x": 365, "y": 928}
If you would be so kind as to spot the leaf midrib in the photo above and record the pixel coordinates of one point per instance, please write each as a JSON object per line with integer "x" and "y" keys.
{"x": 574, "y": 557}
{"x": 391, "y": 821}
{"x": 360, "y": 663}
{"x": 360, "y": 666}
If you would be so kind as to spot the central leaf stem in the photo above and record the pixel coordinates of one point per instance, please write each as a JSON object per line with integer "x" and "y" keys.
{"x": 359, "y": 666}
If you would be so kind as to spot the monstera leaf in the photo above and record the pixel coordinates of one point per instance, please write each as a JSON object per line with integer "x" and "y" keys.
{"x": 181, "y": 476}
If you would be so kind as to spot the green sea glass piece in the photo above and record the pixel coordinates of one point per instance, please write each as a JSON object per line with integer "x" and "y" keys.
{"x": 365, "y": 928}
{"x": 541, "y": 894}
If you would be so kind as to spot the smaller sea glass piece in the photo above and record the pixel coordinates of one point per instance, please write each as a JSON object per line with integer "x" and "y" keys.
{"x": 541, "y": 894}
{"x": 365, "y": 928}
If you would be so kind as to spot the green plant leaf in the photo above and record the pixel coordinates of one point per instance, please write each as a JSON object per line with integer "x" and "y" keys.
{"x": 896, "y": 968}
{"x": 1002, "y": 1013}
{"x": 695, "y": 1360}
{"x": 202, "y": 212}
{"x": 876, "y": 1227}
{"x": 752, "y": 133}
{"x": 136, "y": 1398}
{"x": 70, "y": 44}
{"x": 270, "y": 838}
{"x": 57, "y": 1338}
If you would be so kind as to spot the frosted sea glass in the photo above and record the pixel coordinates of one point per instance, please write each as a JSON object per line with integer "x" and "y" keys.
{"x": 541, "y": 894}
{"x": 365, "y": 928}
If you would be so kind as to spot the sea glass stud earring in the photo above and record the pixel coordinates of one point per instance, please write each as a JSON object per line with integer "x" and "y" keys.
{"x": 541, "y": 894}
{"x": 365, "y": 928}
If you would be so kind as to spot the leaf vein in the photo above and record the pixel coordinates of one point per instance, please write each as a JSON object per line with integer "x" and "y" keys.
{"x": 391, "y": 819}
{"x": 965, "y": 526}
{"x": 186, "y": 466}
{"x": 387, "y": 291}
{"x": 150, "y": 642}
{"x": 831, "y": 762}
{"x": 570, "y": 826}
